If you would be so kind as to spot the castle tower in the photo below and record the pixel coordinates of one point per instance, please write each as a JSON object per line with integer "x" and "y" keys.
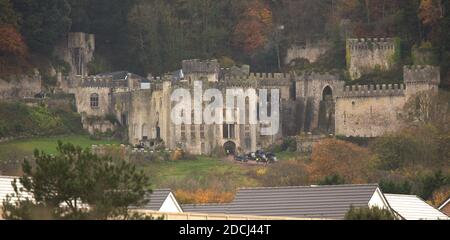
{"x": 421, "y": 78}
{"x": 366, "y": 55}
{"x": 77, "y": 50}
{"x": 197, "y": 70}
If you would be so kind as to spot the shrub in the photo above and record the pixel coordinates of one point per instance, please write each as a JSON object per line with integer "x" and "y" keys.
{"x": 202, "y": 196}
{"x": 335, "y": 157}
{"x": 373, "y": 213}
{"x": 285, "y": 173}
{"x": 394, "y": 187}
{"x": 332, "y": 180}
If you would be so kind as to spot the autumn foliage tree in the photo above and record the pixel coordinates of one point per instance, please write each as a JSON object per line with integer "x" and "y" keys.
{"x": 13, "y": 50}
{"x": 11, "y": 42}
{"x": 202, "y": 196}
{"x": 254, "y": 25}
{"x": 335, "y": 157}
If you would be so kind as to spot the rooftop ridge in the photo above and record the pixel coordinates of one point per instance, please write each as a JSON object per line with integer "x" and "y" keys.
{"x": 311, "y": 186}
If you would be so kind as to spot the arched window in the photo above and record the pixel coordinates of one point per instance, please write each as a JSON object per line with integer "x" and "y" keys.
{"x": 94, "y": 100}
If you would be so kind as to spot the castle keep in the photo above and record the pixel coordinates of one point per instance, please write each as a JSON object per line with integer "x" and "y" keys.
{"x": 366, "y": 55}
{"x": 310, "y": 102}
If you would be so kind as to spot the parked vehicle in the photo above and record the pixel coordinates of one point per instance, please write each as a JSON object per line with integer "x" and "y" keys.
{"x": 240, "y": 158}
{"x": 252, "y": 156}
{"x": 261, "y": 156}
{"x": 271, "y": 158}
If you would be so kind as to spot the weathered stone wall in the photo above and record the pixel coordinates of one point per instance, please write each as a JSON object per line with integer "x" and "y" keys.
{"x": 77, "y": 50}
{"x": 310, "y": 90}
{"x": 310, "y": 51}
{"x": 366, "y": 55}
{"x": 83, "y": 101}
{"x": 421, "y": 78}
{"x": 369, "y": 111}
{"x": 22, "y": 86}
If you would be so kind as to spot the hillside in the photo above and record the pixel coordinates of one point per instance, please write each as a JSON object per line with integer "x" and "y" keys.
{"x": 153, "y": 36}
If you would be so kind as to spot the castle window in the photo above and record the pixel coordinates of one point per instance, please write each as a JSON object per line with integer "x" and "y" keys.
{"x": 248, "y": 143}
{"x": 193, "y": 133}
{"x": 144, "y": 132}
{"x": 229, "y": 131}
{"x": 183, "y": 132}
{"x": 94, "y": 100}
{"x": 202, "y": 131}
{"x": 247, "y": 131}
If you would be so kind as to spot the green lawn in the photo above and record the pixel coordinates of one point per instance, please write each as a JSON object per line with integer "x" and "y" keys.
{"x": 201, "y": 170}
{"x": 22, "y": 148}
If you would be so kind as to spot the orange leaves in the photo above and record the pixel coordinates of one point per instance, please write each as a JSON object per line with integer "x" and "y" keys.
{"x": 430, "y": 11}
{"x": 11, "y": 42}
{"x": 202, "y": 196}
{"x": 335, "y": 157}
{"x": 251, "y": 31}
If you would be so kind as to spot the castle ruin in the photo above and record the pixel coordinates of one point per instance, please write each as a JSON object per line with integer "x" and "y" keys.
{"x": 310, "y": 102}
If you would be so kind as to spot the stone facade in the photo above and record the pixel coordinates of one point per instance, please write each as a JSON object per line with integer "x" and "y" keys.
{"x": 366, "y": 55}
{"x": 77, "y": 50}
{"x": 309, "y": 51}
{"x": 310, "y": 102}
{"x": 371, "y": 111}
{"x": 22, "y": 86}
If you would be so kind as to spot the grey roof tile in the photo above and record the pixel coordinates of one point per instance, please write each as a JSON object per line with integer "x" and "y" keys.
{"x": 330, "y": 202}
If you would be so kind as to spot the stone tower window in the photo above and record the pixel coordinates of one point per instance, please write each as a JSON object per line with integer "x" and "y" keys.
{"x": 94, "y": 100}
{"x": 229, "y": 131}
{"x": 193, "y": 133}
{"x": 183, "y": 132}
{"x": 202, "y": 131}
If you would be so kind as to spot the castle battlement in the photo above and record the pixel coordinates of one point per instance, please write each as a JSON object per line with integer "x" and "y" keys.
{"x": 200, "y": 66}
{"x": 377, "y": 90}
{"x": 421, "y": 74}
{"x": 260, "y": 77}
{"x": 371, "y": 43}
{"x": 315, "y": 75}
{"x": 102, "y": 82}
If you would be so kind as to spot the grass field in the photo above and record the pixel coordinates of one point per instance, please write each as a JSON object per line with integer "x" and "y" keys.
{"x": 26, "y": 147}
{"x": 202, "y": 170}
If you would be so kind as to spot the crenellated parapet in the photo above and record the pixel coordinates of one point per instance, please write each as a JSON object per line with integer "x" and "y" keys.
{"x": 102, "y": 82}
{"x": 355, "y": 44}
{"x": 315, "y": 75}
{"x": 378, "y": 90}
{"x": 200, "y": 66}
{"x": 260, "y": 77}
{"x": 421, "y": 74}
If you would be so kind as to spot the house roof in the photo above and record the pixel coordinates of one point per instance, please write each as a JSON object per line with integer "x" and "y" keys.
{"x": 327, "y": 202}
{"x": 331, "y": 202}
{"x": 156, "y": 199}
{"x": 6, "y": 188}
{"x": 444, "y": 204}
{"x": 205, "y": 208}
{"x": 411, "y": 207}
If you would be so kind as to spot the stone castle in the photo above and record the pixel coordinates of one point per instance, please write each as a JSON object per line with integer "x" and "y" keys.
{"x": 310, "y": 102}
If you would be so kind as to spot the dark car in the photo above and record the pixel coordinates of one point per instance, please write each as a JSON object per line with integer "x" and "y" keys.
{"x": 241, "y": 158}
{"x": 261, "y": 156}
{"x": 253, "y": 157}
{"x": 271, "y": 158}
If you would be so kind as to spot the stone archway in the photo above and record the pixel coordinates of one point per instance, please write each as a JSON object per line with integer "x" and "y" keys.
{"x": 327, "y": 111}
{"x": 230, "y": 148}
